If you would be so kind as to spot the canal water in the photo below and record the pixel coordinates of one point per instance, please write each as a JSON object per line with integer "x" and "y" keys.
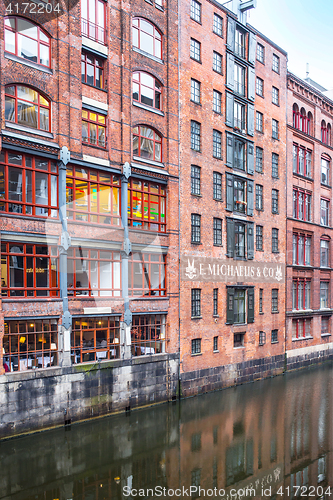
{"x": 269, "y": 439}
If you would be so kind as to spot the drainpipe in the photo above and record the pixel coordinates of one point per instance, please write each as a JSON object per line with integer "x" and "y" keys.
{"x": 64, "y": 345}
{"x": 127, "y": 248}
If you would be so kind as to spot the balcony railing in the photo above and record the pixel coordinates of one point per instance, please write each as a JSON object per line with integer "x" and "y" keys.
{"x": 93, "y": 31}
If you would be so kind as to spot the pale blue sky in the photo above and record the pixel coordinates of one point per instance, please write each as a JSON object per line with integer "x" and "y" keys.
{"x": 304, "y": 29}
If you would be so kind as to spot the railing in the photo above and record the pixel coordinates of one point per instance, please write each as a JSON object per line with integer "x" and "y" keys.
{"x": 93, "y": 31}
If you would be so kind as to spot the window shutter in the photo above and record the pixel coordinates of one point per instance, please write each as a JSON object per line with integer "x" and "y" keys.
{"x": 230, "y": 305}
{"x": 230, "y": 150}
{"x": 231, "y": 34}
{"x": 250, "y": 119}
{"x": 250, "y": 84}
{"x": 252, "y": 48}
{"x": 230, "y": 71}
{"x": 250, "y": 305}
{"x": 250, "y": 241}
{"x": 250, "y": 158}
{"x": 230, "y": 191}
{"x": 229, "y": 120}
{"x": 230, "y": 238}
{"x": 250, "y": 196}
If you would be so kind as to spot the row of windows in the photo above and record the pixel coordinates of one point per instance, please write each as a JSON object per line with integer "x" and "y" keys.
{"x": 259, "y": 124}
{"x": 238, "y": 341}
{"x": 261, "y": 58}
{"x": 260, "y": 91}
{"x": 301, "y": 295}
{"x": 302, "y": 327}
{"x": 302, "y": 250}
{"x": 304, "y": 122}
{"x": 195, "y": 14}
{"x": 302, "y": 207}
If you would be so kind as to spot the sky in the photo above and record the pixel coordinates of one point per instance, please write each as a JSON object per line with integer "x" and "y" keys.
{"x": 304, "y": 29}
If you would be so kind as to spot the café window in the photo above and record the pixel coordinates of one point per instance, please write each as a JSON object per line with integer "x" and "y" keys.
{"x": 92, "y": 196}
{"x": 93, "y": 20}
{"x": 148, "y": 334}
{"x": 240, "y": 305}
{"x": 92, "y": 70}
{"x": 93, "y": 272}
{"x": 29, "y": 270}
{"x": 147, "y": 274}
{"x": 146, "y": 37}
{"x": 146, "y": 205}
{"x": 147, "y": 90}
{"x": 27, "y": 40}
{"x": 147, "y": 143}
{"x": 95, "y": 339}
{"x": 28, "y": 185}
{"x": 93, "y": 128}
{"x": 28, "y": 107}
{"x": 30, "y": 344}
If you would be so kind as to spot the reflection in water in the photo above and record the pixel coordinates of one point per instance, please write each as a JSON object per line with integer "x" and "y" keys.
{"x": 269, "y": 437}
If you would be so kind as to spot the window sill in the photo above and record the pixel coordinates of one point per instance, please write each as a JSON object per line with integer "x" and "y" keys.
{"x": 148, "y": 108}
{"x": 196, "y": 195}
{"x": 196, "y": 60}
{"x": 196, "y": 317}
{"x": 149, "y": 162}
{"x": 31, "y": 64}
{"x": 275, "y": 342}
{"x": 196, "y": 243}
{"x": 302, "y": 338}
{"x": 219, "y": 200}
{"x": 217, "y": 34}
{"x": 100, "y": 148}
{"x": 93, "y": 87}
{"x": 195, "y": 102}
{"x": 325, "y": 335}
{"x": 35, "y": 131}
{"x": 326, "y": 185}
{"x": 275, "y": 138}
{"x": 196, "y": 354}
{"x": 218, "y": 158}
{"x": 218, "y": 72}
{"x": 150, "y": 56}
{"x": 198, "y": 22}
{"x": 214, "y": 352}
{"x": 260, "y": 95}
{"x": 217, "y": 112}
{"x": 239, "y": 347}
{"x": 196, "y": 150}
{"x": 303, "y": 176}
{"x": 275, "y": 312}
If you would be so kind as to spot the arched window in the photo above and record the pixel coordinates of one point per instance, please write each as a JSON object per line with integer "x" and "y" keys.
{"x": 328, "y": 134}
{"x": 147, "y": 90}
{"x": 295, "y": 116}
{"x": 325, "y": 169}
{"x": 310, "y": 123}
{"x": 303, "y": 121}
{"x": 24, "y": 39}
{"x": 147, "y": 143}
{"x": 146, "y": 37}
{"x": 323, "y": 132}
{"x": 28, "y": 107}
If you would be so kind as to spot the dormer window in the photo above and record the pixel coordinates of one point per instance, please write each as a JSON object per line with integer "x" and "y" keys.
{"x": 26, "y": 40}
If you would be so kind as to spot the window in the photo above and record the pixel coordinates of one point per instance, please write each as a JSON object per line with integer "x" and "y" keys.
{"x": 275, "y": 96}
{"x": 196, "y": 303}
{"x": 325, "y": 133}
{"x": 215, "y": 305}
{"x": 26, "y": 106}
{"x": 275, "y": 240}
{"x": 147, "y": 90}
{"x": 28, "y": 185}
{"x": 93, "y": 272}
{"x": 196, "y": 346}
{"x": 92, "y": 70}
{"x": 196, "y": 11}
{"x": 259, "y": 238}
{"x": 239, "y": 339}
{"x": 240, "y": 305}
{"x": 92, "y": 196}
{"x": 195, "y": 91}
{"x": 261, "y": 291}
{"x": 217, "y": 101}
{"x": 239, "y": 116}
{"x": 262, "y": 338}
{"x": 260, "y": 86}
{"x": 301, "y": 120}
{"x": 95, "y": 339}
{"x": 302, "y": 160}
{"x": 301, "y": 249}
{"x": 237, "y": 193}
{"x": 30, "y": 344}
{"x": 217, "y": 231}
{"x": 218, "y": 25}
{"x": 146, "y": 205}
{"x": 24, "y": 39}
{"x": 29, "y": 270}
{"x": 240, "y": 43}
{"x": 240, "y": 239}
{"x": 195, "y": 180}
{"x": 324, "y": 253}
{"x": 147, "y": 143}
{"x": 259, "y": 159}
{"x": 259, "y": 197}
{"x": 238, "y": 153}
{"x": 275, "y": 201}
{"x": 148, "y": 334}
{"x": 239, "y": 79}
{"x": 93, "y": 20}
{"x": 259, "y": 121}
{"x": 146, "y": 274}
{"x": 93, "y": 128}
{"x": 195, "y": 228}
{"x": 217, "y": 186}
{"x": 276, "y": 64}
{"x": 301, "y": 328}
{"x": 275, "y": 129}
{"x": 324, "y": 212}
{"x": 195, "y": 135}
{"x": 324, "y": 287}
{"x": 195, "y": 50}
{"x": 260, "y": 53}
{"x": 274, "y": 336}
{"x": 215, "y": 344}
{"x": 146, "y": 37}
{"x": 217, "y": 144}
{"x": 302, "y": 204}
{"x": 217, "y": 62}
{"x": 325, "y": 325}
{"x": 275, "y": 165}
{"x": 301, "y": 294}
{"x": 275, "y": 300}
{"x": 325, "y": 171}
